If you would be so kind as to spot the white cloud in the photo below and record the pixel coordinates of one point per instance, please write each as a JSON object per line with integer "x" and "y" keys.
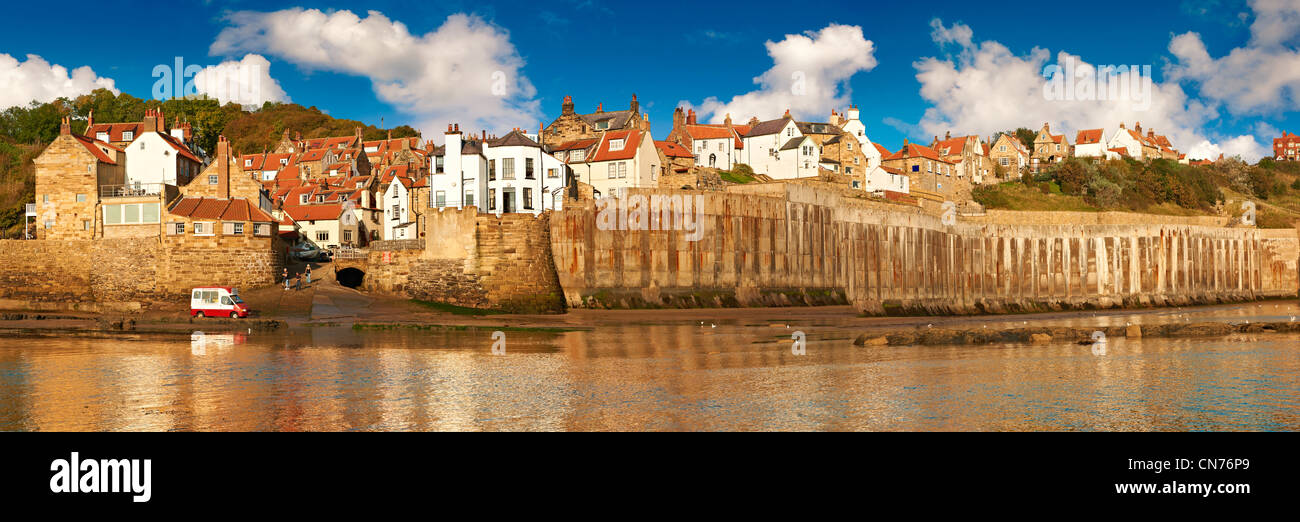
{"x": 246, "y": 82}
{"x": 984, "y": 88}
{"x": 1261, "y": 77}
{"x": 466, "y": 71}
{"x": 41, "y": 81}
{"x": 809, "y": 76}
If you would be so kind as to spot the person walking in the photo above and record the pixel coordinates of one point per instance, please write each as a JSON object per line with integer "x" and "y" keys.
{"x": 309, "y": 274}
{"x": 298, "y": 282}
{"x": 285, "y": 275}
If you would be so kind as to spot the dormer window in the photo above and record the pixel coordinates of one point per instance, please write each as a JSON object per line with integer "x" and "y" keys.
{"x": 578, "y": 155}
{"x": 320, "y": 198}
{"x": 128, "y": 136}
{"x": 248, "y": 163}
{"x": 284, "y": 161}
{"x": 302, "y": 200}
{"x": 602, "y": 125}
{"x": 616, "y": 144}
{"x": 102, "y": 136}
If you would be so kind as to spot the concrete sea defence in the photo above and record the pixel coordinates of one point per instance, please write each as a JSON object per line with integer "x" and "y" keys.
{"x": 786, "y": 244}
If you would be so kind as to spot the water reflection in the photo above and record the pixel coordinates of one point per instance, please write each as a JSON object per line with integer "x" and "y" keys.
{"x": 639, "y": 377}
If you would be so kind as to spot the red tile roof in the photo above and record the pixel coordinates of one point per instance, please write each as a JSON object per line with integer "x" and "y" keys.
{"x": 631, "y": 141}
{"x": 115, "y": 130}
{"x": 100, "y": 149}
{"x": 673, "y": 150}
{"x": 952, "y": 146}
{"x": 1088, "y": 137}
{"x": 237, "y": 209}
{"x": 913, "y": 150}
{"x": 314, "y": 212}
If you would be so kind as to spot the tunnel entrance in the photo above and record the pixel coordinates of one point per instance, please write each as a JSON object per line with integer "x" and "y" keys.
{"x": 350, "y": 277}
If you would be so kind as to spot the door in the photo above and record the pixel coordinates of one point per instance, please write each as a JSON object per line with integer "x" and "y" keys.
{"x": 508, "y": 200}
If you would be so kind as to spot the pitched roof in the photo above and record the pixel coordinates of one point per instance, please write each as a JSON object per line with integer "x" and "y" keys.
{"x": 614, "y": 119}
{"x": 817, "y": 128}
{"x": 769, "y": 127}
{"x": 115, "y": 130}
{"x": 514, "y": 139}
{"x": 673, "y": 150}
{"x": 631, "y": 143}
{"x": 951, "y": 146}
{"x": 884, "y": 153}
{"x": 914, "y": 150}
{"x": 179, "y": 147}
{"x": 313, "y": 212}
{"x": 575, "y": 144}
{"x": 236, "y": 209}
{"x": 1088, "y": 137}
{"x": 793, "y": 143}
{"x": 98, "y": 148}
{"x": 708, "y": 132}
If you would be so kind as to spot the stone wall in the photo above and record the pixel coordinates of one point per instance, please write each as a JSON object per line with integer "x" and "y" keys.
{"x": 125, "y": 269}
{"x": 812, "y": 247}
{"x": 475, "y": 260}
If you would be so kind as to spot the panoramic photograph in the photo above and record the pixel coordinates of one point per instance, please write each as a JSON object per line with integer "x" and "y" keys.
{"x": 585, "y": 216}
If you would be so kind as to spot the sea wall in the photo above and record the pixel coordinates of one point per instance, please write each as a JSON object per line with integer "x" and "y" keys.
{"x": 786, "y": 244}
{"x": 121, "y": 270}
{"x": 474, "y": 260}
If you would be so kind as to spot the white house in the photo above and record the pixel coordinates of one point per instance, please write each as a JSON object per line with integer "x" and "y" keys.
{"x": 458, "y": 175}
{"x": 1090, "y": 144}
{"x": 615, "y": 162}
{"x": 878, "y": 179}
{"x": 397, "y": 207}
{"x": 778, "y": 149}
{"x": 155, "y": 159}
{"x": 850, "y": 123}
{"x": 521, "y": 177}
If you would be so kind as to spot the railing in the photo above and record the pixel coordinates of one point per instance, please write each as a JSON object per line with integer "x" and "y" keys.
{"x": 134, "y": 190}
{"x": 348, "y": 253}
{"x": 398, "y": 244}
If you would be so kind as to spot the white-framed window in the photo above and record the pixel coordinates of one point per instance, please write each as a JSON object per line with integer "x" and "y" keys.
{"x": 469, "y": 199}
{"x": 528, "y": 198}
{"x": 613, "y": 170}
{"x": 552, "y": 173}
{"x": 102, "y": 136}
{"x": 616, "y": 144}
{"x": 128, "y": 135}
{"x": 212, "y": 179}
{"x": 175, "y": 228}
{"x": 131, "y": 214}
{"x": 204, "y": 228}
{"x": 578, "y": 155}
{"x": 248, "y": 162}
{"x": 441, "y": 197}
{"x": 492, "y": 199}
{"x": 261, "y": 229}
{"x": 231, "y": 228}
{"x": 507, "y": 168}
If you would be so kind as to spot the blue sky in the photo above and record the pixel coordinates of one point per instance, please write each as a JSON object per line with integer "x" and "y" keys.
{"x": 674, "y": 52}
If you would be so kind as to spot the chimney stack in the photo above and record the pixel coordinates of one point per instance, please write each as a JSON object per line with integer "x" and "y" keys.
{"x": 727, "y": 121}
{"x": 690, "y": 117}
{"x": 65, "y": 125}
{"x": 150, "y": 123}
{"x": 635, "y": 106}
{"x": 947, "y": 135}
{"x": 90, "y": 121}
{"x": 600, "y": 107}
{"x": 223, "y": 167}
{"x": 567, "y": 108}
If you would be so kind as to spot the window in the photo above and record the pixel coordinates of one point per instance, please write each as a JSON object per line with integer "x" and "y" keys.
{"x": 49, "y": 224}
{"x": 232, "y": 229}
{"x": 347, "y": 236}
{"x": 85, "y": 224}
{"x": 437, "y": 165}
{"x": 302, "y": 199}
{"x": 469, "y": 199}
{"x": 261, "y": 229}
{"x": 613, "y": 170}
{"x": 322, "y": 235}
{"x": 102, "y": 136}
{"x": 508, "y": 168}
{"x": 492, "y": 170}
{"x": 849, "y": 146}
{"x": 131, "y": 214}
{"x": 528, "y": 198}
{"x": 212, "y": 179}
{"x": 916, "y": 168}
{"x": 528, "y": 168}
{"x": 552, "y": 173}
{"x": 1002, "y": 148}
{"x": 622, "y": 169}
{"x": 203, "y": 229}
{"x": 578, "y": 155}
{"x": 397, "y": 212}
{"x": 616, "y": 144}
{"x": 46, "y": 197}
{"x": 492, "y": 199}
{"x": 81, "y": 198}
{"x": 442, "y": 198}
{"x": 174, "y": 229}
{"x": 248, "y": 163}
{"x": 128, "y": 136}
{"x": 856, "y": 184}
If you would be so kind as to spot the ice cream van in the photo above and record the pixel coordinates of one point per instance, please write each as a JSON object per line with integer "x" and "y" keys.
{"x": 217, "y": 301}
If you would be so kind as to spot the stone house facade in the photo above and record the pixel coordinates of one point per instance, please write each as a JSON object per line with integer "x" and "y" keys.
{"x": 69, "y": 175}
{"x": 571, "y": 125}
